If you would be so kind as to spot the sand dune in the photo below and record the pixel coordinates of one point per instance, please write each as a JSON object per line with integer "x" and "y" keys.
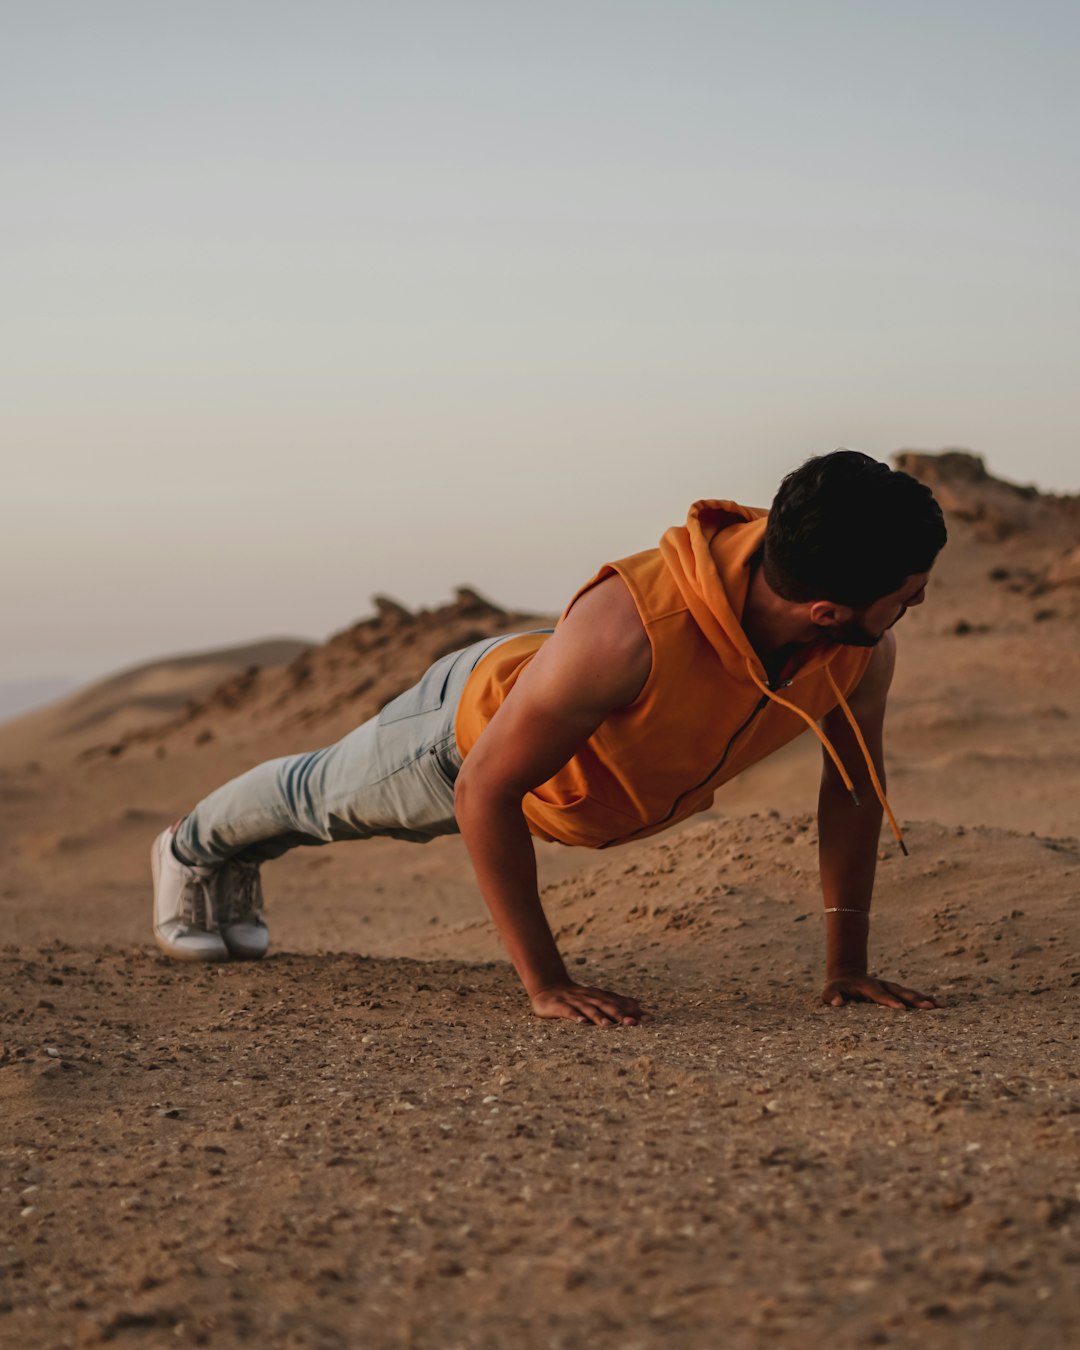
{"x": 366, "y": 1141}
{"x": 138, "y": 698}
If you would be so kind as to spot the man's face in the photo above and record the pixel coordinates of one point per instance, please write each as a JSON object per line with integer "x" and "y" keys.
{"x": 866, "y": 627}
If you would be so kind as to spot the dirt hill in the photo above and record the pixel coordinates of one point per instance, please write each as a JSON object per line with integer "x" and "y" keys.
{"x": 136, "y": 700}
{"x": 328, "y": 689}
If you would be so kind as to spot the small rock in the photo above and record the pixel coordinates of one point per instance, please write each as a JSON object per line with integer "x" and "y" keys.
{"x": 1055, "y": 1210}
{"x": 952, "y": 1201}
{"x": 870, "y": 1259}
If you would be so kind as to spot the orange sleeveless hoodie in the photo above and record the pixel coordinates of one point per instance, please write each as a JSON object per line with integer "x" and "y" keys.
{"x": 706, "y": 712}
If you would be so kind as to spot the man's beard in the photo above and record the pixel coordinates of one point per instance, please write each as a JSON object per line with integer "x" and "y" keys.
{"x": 852, "y": 634}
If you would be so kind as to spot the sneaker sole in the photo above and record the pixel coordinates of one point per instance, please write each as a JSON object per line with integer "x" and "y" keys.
{"x": 176, "y": 953}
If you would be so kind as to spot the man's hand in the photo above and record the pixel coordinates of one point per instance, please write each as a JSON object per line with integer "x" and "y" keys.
{"x": 582, "y": 1003}
{"x": 859, "y": 987}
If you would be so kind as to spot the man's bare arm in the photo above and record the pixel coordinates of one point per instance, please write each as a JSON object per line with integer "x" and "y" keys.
{"x": 597, "y": 660}
{"x": 848, "y": 837}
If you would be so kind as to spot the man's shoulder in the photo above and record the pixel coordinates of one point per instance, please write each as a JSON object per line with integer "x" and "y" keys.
{"x": 605, "y": 620}
{"x": 610, "y": 613}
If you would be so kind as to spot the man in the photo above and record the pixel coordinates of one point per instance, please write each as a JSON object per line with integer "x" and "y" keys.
{"x": 661, "y": 681}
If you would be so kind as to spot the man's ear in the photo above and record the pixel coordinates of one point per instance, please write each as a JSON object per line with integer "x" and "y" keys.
{"x": 826, "y": 614}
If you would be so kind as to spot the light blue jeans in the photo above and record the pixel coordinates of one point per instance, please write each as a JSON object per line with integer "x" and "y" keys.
{"x": 394, "y": 775}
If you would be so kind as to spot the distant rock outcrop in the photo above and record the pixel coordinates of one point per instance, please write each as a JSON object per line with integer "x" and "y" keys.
{"x": 339, "y": 684}
{"x": 968, "y": 492}
{"x": 996, "y": 510}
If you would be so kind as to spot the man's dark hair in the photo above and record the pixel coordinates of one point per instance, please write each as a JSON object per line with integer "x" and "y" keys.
{"x": 847, "y": 528}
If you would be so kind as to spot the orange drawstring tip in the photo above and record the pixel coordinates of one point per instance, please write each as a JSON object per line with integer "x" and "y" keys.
{"x": 903, "y": 848}
{"x": 855, "y": 797}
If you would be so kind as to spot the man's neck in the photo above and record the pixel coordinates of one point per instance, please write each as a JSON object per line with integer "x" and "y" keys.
{"x": 768, "y": 621}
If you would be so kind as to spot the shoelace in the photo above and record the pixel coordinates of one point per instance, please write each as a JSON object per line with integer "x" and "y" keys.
{"x": 239, "y": 897}
{"x": 198, "y": 902}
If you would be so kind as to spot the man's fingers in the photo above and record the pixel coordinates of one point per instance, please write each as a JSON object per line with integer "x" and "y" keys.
{"x": 622, "y": 1004}
{"x": 591, "y": 1012}
{"x": 911, "y": 997}
{"x": 606, "y": 1011}
{"x": 877, "y": 991}
{"x": 870, "y": 991}
{"x": 882, "y": 992}
{"x": 612, "y": 1008}
{"x": 618, "y": 1007}
{"x": 579, "y": 1004}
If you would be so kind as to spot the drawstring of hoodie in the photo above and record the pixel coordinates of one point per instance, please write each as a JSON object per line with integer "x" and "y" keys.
{"x": 830, "y": 749}
{"x": 896, "y": 832}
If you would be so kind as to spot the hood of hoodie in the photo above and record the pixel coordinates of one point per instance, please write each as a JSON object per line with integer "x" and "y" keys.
{"x": 710, "y": 559}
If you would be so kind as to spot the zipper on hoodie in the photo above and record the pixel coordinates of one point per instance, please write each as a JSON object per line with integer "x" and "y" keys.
{"x": 710, "y": 775}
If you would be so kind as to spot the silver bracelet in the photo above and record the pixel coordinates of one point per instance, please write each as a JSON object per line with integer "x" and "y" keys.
{"x": 841, "y": 909}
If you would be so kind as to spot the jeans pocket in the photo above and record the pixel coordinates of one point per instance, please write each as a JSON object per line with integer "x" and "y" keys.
{"x": 440, "y": 768}
{"x": 426, "y": 696}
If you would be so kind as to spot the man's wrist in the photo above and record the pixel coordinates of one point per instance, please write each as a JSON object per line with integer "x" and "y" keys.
{"x": 847, "y": 935}
{"x": 842, "y": 970}
{"x": 536, "y": 982}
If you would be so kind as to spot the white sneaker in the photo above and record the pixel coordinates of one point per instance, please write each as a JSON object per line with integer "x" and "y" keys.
{"x": 183, "y": 905}
{"x": 238, "y": 903}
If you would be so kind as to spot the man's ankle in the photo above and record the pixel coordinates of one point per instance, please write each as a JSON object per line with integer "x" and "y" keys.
{"x": 180, "y": 855}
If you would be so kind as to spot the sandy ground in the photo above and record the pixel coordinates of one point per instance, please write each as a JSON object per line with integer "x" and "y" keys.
{"x": 332, "y": 1150}
{"x": 366, "y": 1141}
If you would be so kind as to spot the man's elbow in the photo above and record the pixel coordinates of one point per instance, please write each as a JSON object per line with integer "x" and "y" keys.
{"x": 477, "y": 790}
{"x": 462, "y": 790}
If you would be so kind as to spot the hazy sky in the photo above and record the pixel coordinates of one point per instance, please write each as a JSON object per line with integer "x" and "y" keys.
{"x": 302, "y": 302}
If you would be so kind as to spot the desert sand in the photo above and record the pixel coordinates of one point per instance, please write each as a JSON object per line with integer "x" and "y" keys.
{"x": 366, "y": 1140}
